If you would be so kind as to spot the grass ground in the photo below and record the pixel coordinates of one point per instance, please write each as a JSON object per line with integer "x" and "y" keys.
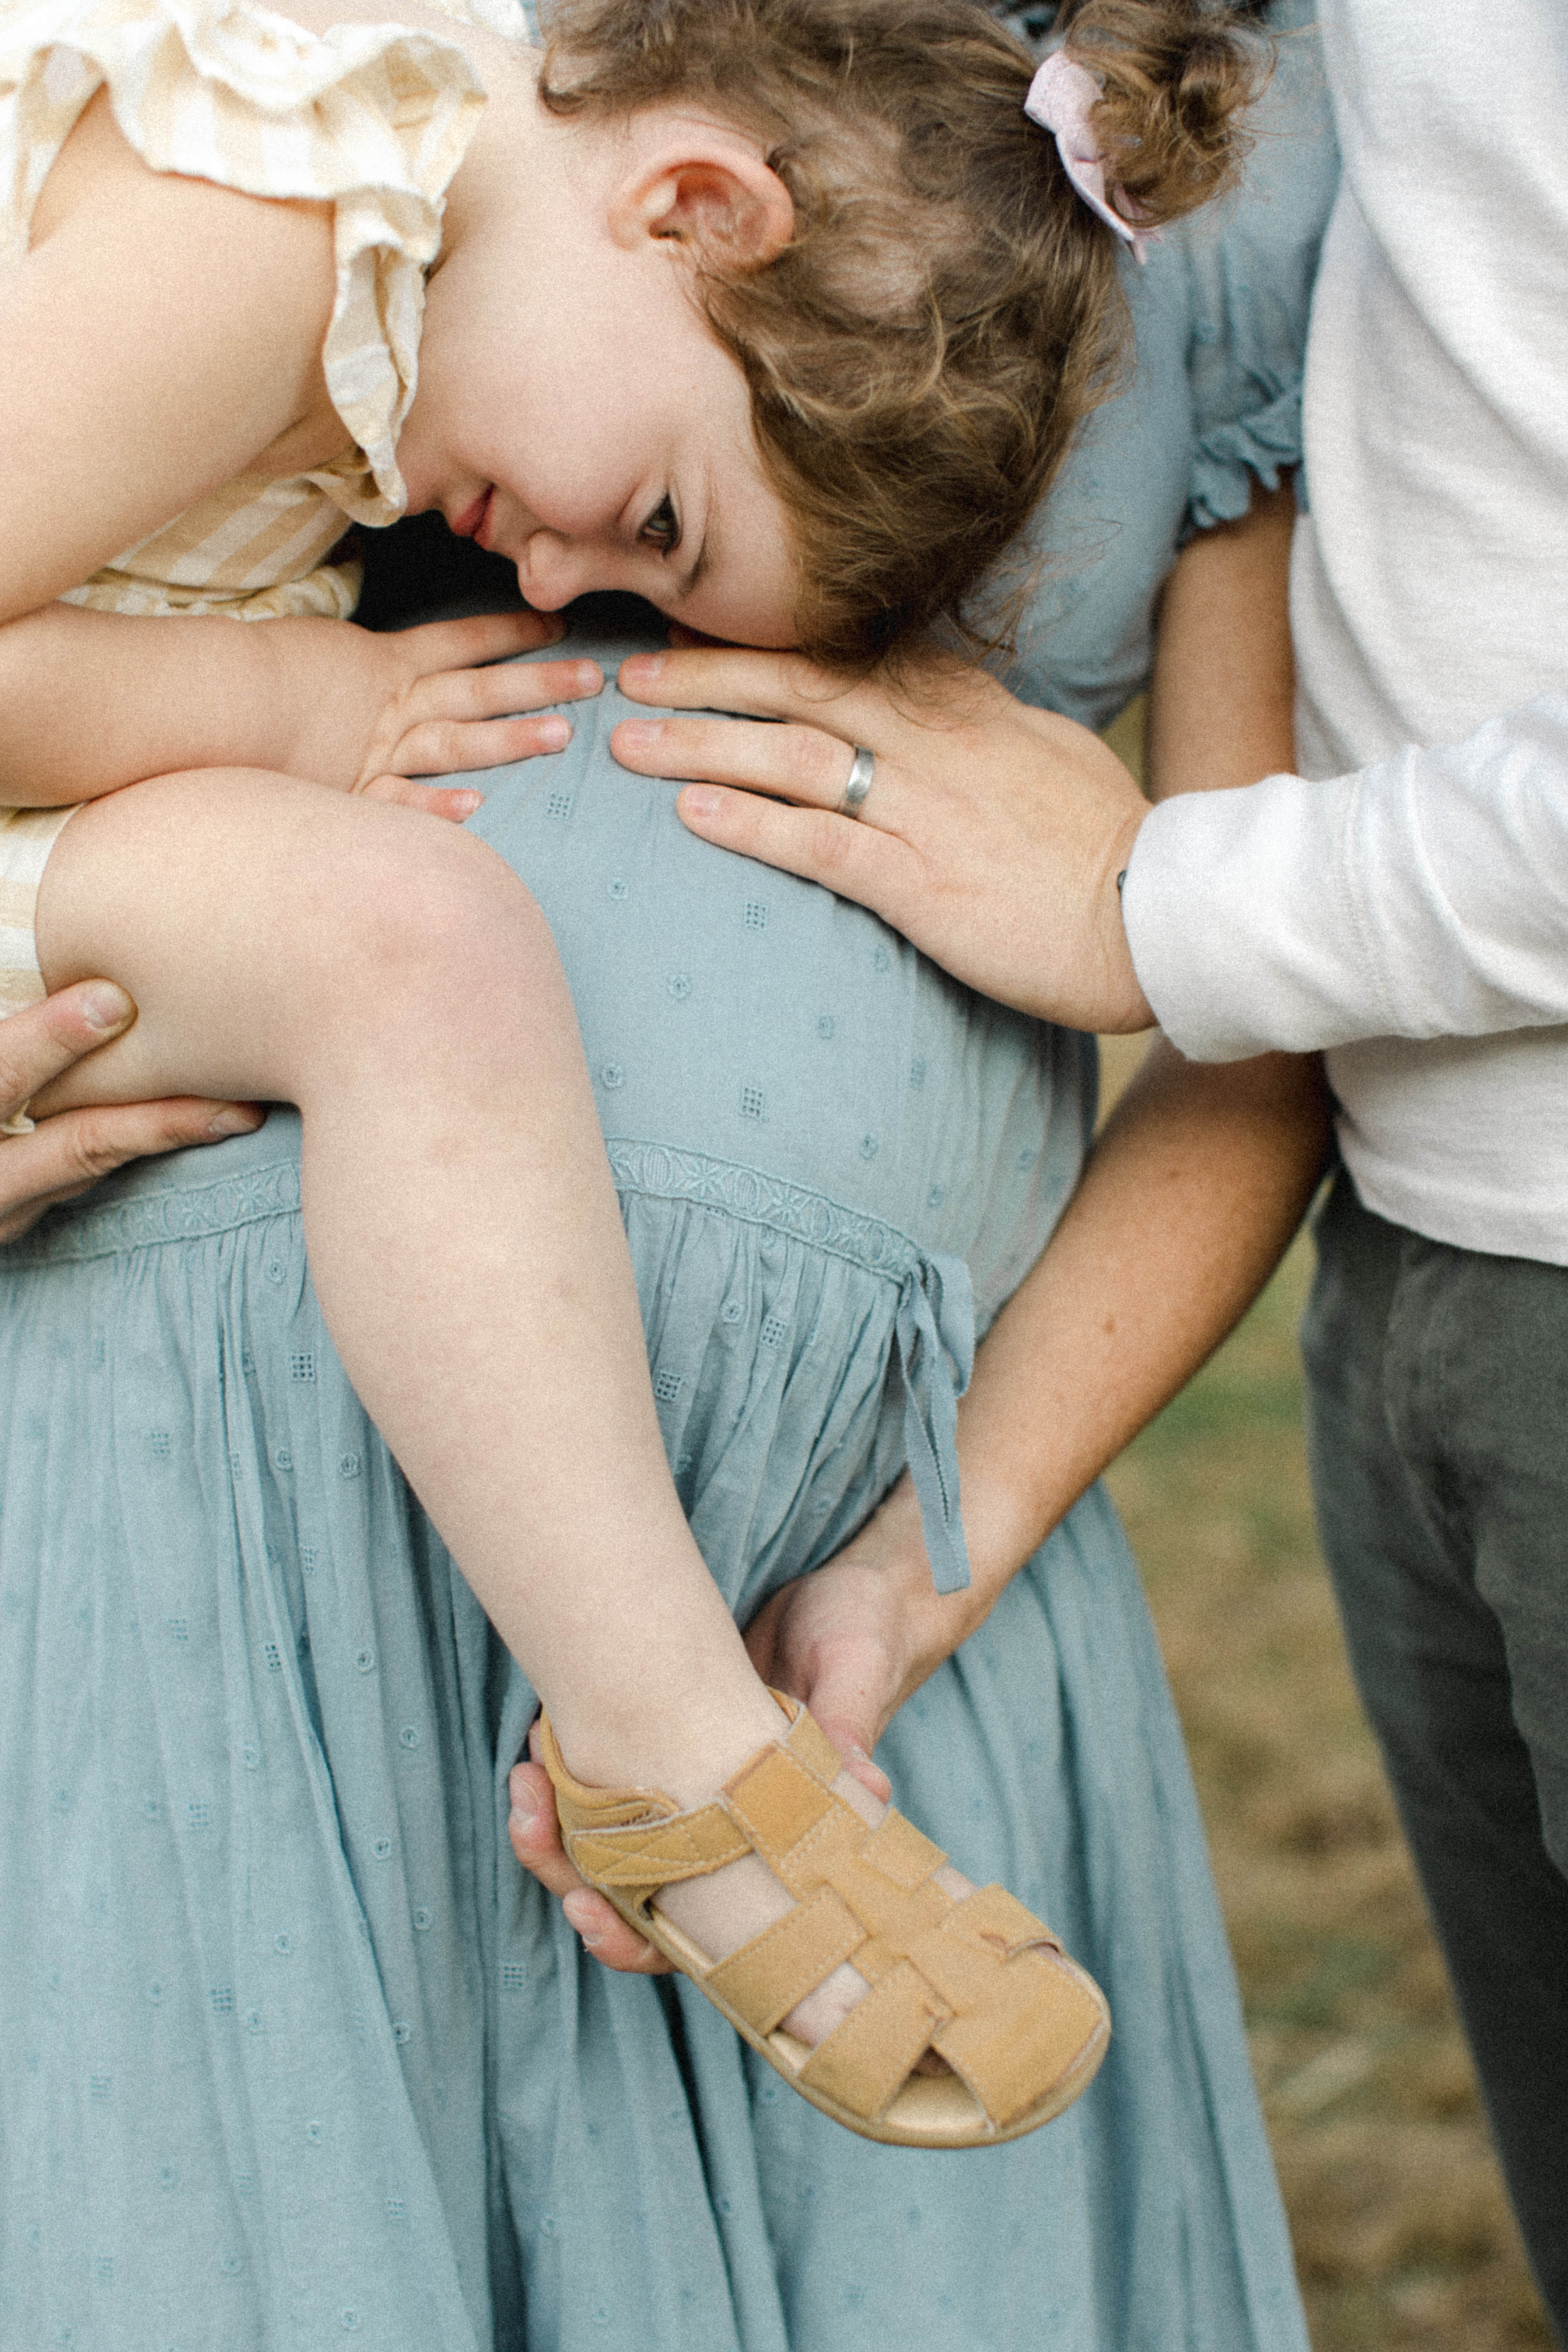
{"x": 1403, "y": 2236}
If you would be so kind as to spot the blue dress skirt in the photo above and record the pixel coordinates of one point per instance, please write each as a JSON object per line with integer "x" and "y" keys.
{"x": 292, "y": 2054}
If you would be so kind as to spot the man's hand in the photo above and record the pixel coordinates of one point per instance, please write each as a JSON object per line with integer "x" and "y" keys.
{"x": 64, "y": 1156}
{"x": 993, "y": 836}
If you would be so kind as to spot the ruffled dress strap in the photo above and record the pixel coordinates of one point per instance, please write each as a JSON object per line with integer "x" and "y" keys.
{"x": 371, "y": 119}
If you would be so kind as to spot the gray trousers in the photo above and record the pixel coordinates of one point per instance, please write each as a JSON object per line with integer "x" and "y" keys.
{"x": 1437, "y": 1416}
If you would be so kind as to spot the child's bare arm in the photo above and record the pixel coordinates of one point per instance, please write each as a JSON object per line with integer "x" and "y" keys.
{"x": 161, "y": 336}
{"x": 89, "y": 701}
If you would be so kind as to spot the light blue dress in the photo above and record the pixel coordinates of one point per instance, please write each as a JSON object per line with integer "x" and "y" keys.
{"x": 291, "y": 2055}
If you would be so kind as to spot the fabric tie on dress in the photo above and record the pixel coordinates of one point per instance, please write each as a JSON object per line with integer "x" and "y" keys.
{"x": 1059, "y": 99}
{"x": 935, "y": 1337}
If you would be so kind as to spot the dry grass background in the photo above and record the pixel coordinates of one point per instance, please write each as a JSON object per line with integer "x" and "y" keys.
{"x": 1403, "y": 2236}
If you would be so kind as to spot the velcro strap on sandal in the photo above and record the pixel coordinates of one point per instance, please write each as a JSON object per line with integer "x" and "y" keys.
{"x": 807, "y": 1740}
{"x": 762, "y": 1981}
{"x": 864, "y": 2061}
{"x": 655, "y": 1854}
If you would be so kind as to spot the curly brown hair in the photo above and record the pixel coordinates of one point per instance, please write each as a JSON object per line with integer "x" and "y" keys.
{"x": 947, "y": 310}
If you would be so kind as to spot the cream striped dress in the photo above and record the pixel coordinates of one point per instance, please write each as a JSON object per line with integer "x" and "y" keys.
{"x": 374, "y": 119}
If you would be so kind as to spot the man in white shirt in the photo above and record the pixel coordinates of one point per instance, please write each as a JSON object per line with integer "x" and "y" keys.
{"x": 1412, "y": 917}
{"x": 1409, "y": 914}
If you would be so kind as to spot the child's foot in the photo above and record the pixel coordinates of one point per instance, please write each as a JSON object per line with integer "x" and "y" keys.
{"x": 726, "y": 1909}
{"x": 840, "y": 1944}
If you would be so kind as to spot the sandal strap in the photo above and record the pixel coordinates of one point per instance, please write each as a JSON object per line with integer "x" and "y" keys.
{"x": 866, "y": 2062}
{"x": 1012, "y": 2047}
{"x": 763, "y": 1980}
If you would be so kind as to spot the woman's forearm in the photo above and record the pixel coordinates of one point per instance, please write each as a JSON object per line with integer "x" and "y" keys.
{"x": 1202, "y": 1174}
{"x": 1192, "y": 1195}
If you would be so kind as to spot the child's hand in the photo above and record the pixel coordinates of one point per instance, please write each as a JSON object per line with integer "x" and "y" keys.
{"x": 377, "y": 712}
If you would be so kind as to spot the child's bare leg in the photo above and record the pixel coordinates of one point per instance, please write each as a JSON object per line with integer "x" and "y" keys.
{"x": 391, "y": 976}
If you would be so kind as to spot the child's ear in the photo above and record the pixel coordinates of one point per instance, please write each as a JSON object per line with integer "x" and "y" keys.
{"x": 713, "y": 194}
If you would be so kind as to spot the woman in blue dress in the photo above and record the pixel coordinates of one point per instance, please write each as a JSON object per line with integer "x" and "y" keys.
{"x": 292, "y": 2052}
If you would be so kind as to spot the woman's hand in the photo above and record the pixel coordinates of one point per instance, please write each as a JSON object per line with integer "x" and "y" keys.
{"x": 993, "y": 836}
{"x": 66, "y": 1155}
{"x": 535, "y": 1833}
{"x": 853, "y": 1640}
{"x": 431, "y": 702}
{"x": 856, "y": 1638}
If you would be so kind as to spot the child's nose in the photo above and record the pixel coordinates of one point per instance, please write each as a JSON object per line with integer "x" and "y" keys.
{"x": 553, "y": 569}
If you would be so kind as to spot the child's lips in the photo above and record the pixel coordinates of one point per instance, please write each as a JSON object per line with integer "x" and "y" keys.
{"x": 470, "y": 522}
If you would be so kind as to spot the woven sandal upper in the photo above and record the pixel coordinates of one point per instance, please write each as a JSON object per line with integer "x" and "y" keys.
{"x": 965, "y": 1978}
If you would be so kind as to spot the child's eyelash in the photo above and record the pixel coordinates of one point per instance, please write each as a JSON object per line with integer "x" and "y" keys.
{"x": 662, "y": 528}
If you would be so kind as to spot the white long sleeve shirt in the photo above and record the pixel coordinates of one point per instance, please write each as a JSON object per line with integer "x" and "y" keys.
{"x": 1411, "y": 913}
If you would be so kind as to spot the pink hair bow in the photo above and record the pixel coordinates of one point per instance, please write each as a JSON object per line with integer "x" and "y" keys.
{"x": 1059, "y": 99}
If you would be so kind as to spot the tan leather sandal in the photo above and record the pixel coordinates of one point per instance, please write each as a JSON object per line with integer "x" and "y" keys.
{"x": 1021, "y": 2033}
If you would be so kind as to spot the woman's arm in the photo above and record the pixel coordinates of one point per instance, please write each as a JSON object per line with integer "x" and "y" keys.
{"x": 1189, "y": 1199}
{"x": 1191, "y": 1194}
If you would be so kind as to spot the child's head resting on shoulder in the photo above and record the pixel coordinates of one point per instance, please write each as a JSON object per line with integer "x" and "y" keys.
{"x": 947, "y": 308}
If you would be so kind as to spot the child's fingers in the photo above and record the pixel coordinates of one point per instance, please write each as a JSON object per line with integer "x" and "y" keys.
{"x": 454, "y": 802}
{"x": 504, "y": 688}
{"x": 484, "y": 637}
{"x": 452, "y": 748}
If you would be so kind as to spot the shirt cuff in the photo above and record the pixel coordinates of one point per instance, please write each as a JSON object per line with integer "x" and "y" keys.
{"x": 1244, "y": 938}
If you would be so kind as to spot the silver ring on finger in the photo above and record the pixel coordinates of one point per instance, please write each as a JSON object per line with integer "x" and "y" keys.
{"x": 862, "y": 768}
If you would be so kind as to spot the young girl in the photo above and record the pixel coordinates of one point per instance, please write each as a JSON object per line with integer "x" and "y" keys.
{"x": 780, "y": 314}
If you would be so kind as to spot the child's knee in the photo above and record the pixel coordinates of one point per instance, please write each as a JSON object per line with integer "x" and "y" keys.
{"x": 428, "y": 908}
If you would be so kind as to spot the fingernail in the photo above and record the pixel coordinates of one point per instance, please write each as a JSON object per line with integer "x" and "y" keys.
{"x": 106, "y": 1007}
{"x": 643, "y": 668}
{"x": 587, "y": 677}
{"x": 554, "y": 734}
{"x": 468, "y": 799}
{"x": 700, "y": 799}
{"x": 640, "y": 734}
{"x": 239, "y": 1118}
{"x": 524, "y": 1807}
